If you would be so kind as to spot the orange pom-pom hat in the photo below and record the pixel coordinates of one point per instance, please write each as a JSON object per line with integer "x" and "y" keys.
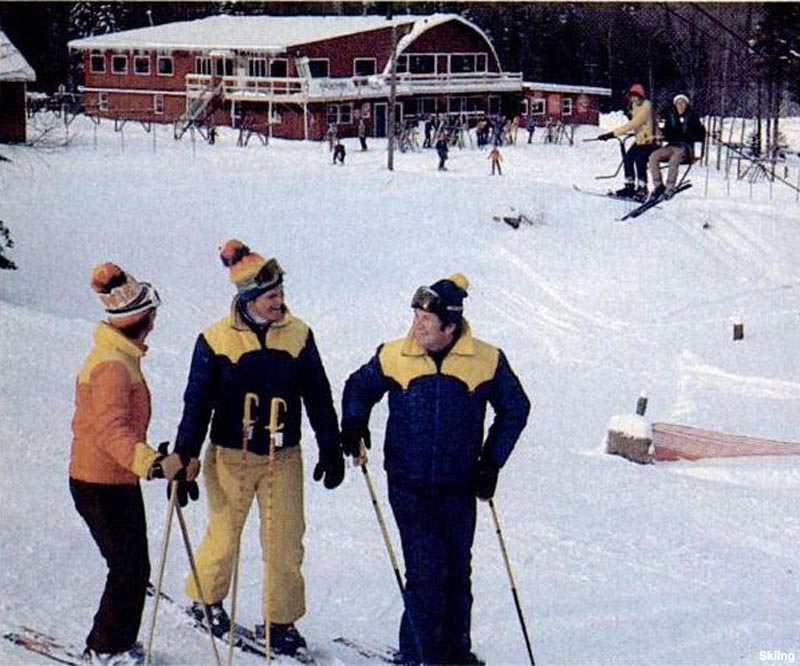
{"x": 250, "y": 272}
{"x": 125, "y": 299}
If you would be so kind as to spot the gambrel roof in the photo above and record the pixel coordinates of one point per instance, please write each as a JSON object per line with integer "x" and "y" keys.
{"x": 13, "y": 66}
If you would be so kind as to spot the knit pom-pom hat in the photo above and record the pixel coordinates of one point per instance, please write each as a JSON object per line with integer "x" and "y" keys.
{"x": 445, "y": 298}
{"x": 249, "y": 271}
{"x": 125, "y": 299}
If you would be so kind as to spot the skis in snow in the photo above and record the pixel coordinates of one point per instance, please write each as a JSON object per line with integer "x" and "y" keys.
{"x": 384, "y": 654}
{"x": 653, "y": 202}
{"x": 605, "y": 195}
{"x": 45, "y": 645}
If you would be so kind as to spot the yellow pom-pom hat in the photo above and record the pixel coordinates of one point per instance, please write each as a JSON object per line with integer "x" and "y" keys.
{"x": 125, "y": 299}
{"x": 250, "y": 272}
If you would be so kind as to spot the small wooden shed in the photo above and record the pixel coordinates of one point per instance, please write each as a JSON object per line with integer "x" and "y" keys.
{"x": 15, "y": 74}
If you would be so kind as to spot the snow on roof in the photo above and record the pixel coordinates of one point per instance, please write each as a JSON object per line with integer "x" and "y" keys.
{"x": 262, "y": 33}
{"x": 13, "y": 66}
{"x": 566, "y": 88}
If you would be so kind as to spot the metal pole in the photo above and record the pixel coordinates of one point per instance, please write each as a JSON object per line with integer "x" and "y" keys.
{"x": 187, "y": 542}
{"x": 160, "y": 579}
{"x": 392, "y": 94}
{"x": 511, "y": 580}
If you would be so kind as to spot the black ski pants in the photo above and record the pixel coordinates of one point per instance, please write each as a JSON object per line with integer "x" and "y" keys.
{"x": 635, "y": 163}
{"x": 116, "y": 519}
{"x": 437, "y": 528}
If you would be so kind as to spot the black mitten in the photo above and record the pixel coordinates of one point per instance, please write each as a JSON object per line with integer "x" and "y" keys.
{"x": 485, "y": 480}
{"x": 353, "y": 431}
{"x": 330, "y": 467}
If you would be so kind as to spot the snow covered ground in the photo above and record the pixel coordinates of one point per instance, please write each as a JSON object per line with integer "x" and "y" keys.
{"x": 681, "y": 563}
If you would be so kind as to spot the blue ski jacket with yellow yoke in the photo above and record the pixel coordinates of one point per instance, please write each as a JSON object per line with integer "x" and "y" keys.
{"x": 230, "y": 360}
{"x": 435, "y": 430}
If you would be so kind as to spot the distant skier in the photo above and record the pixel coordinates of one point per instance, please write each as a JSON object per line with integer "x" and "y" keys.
{"x": 682, "y": 128}
{"x": 635, "y": 161}
{"x": 438, "y": 458}
{"x": 443, "y": 152}
{"x": 362, "y": 133}
{"x": 339, "y": 153}
{"x": 496, "y": 158}
{"x": 110, "y": 454}
{"x": 531, "y": 127}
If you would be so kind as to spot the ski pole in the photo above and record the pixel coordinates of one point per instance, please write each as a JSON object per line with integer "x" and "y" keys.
{"x": 361, "y": 461}
{"x": 247, "y": 425}
{"x": 511, "y": 579}
{"x": 159, "y": 581}
{"x": 190, "y": 554}
{"x": 274, "y": 429}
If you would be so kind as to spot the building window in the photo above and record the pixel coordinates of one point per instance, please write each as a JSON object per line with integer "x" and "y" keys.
{"x": 319, "y": 68}
{"x": 102, "y": 101}
{"x": 462, "y": 62}
{"x": 536, "y": 106}
{"x": 97, "y": 63}
{"x": 141, "y": 65}
{"x": 119, "y": 64}
{"x": 566, "y": 106}
{"x": 164, "y": 66}
{"x": 279, "y": 68}
{"x": 158, "y": 104}
{"x": 257, "y": 67}
{"x": 224, "y": 67}
{"x": 364, "y": 66}
{"x": 340, "y": 114}
{"x": 422, "y": 64}
{"x": 202, "y": 66}
{"x": 482, "y": 63}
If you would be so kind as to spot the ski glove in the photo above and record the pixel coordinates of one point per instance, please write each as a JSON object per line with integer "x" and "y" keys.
{"x": 331, "y": 467}
{"x": 185, "y": 489}
{"x": 606, "y": 136}
{"x": 353, "y": 431}
{"x": 485, "y": 480}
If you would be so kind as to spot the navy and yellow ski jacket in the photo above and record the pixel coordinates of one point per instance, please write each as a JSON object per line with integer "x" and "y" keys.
{"x": 230, "y": 360}
{"x": 435, "y": 430}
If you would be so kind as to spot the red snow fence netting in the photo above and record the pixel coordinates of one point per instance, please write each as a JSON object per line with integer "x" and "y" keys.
{"x": 676, "y": 442}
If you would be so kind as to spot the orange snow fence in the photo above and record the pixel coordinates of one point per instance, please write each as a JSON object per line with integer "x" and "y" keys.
{"x": 676, "y": 442}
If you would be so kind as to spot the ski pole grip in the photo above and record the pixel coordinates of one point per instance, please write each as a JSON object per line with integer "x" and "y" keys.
{"x": 276, "y": 405}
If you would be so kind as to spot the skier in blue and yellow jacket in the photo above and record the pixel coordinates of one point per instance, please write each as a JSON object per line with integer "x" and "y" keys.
{"x": 257, "y": 353}
{"x": 437, "y": 457}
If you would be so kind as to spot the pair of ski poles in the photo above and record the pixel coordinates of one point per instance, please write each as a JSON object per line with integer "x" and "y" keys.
{"x": 251, "y": 399}
{"x": 361, "y": 461}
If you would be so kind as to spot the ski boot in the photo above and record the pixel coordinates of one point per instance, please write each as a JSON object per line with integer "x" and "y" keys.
{"x": 640, "y": 194}
{"x": 132, "y": 657}
{"x": 657, "y": 193}
{"x": 626, "y": 192}
{"x": 283, "y": 639}
{"x": 220, "y": 622}
{"x": 669, "y": 193}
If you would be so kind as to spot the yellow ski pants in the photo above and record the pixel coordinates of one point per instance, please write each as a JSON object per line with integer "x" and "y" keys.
{"x": 232, "y": 480}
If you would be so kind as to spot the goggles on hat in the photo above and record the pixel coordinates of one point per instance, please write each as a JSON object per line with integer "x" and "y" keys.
{"x": 146, "y": 299}
{"x": 427, "y": 300}
{"x": 269, "y": 275}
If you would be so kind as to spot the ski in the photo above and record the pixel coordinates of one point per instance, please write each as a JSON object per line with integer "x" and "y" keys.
{"x": 606, "y": 195}
{"x": 385, "y": 654}
{"x": 652, "y": 203}
{"x": 45, "y": 645}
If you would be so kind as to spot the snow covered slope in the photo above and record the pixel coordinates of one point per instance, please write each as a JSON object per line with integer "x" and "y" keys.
{"x": 681, "y": 563}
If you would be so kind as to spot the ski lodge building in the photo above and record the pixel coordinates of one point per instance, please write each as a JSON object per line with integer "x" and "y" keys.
{"x": 15, "y": 74}
{"x": 294, "y": 77}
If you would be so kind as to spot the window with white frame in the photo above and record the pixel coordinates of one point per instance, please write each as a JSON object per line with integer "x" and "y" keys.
{"x": 463, "y": 62}
{"x": 319, "y": 68}
{"x": 339, "y": 114}
{"x": 422, "y": 63}
{"x": 164, "y": 65}
{"x": 158, "y": 104}
{"x": 364, "y": 66}
{"x": 141, "y": 64}
{"x": 257, "y": 67}
{"x": 119, "y": 63}
{"x": 224, "y": 67}
{"x": 566, "y": 106}
{"x": 102, "y": 101}
{"x": 279, "y": 68}
{"x": 202, "y": 65}
{"x": 536, "y": 106}
{"x": 97, "y": 62}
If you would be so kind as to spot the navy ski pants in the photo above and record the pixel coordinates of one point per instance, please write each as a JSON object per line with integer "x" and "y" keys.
{"x": 116, "y": 519}
{"x": 437, "y": 528}
{"x": 635, "y": 163}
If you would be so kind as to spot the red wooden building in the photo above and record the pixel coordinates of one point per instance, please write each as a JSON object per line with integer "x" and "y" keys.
{"x": 302, "y": 73}
{"x": 15, "y": 74}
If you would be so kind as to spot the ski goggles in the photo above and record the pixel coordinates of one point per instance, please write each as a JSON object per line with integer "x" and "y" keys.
{"x": 427, "y": 300}
{"x": 146, "y": 299}
{"x": 269, "y": 276}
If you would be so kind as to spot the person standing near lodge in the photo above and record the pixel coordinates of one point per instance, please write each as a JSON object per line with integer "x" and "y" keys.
{"x": 635, "y": 160}
{"x": 682, "y": 128}
{"x": 496, "y": 158}
{"x": 362, "y": 133}
{"x": 259, "y": 352}
{"x": 439, "y": 379}
{"x": 110, "y": 454}
{"x": 442, "y": 151}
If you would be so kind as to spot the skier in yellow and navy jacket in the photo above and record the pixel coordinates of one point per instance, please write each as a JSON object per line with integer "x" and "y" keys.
{"x": 260, "y": 349}
{"x": 439, "y": 379}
